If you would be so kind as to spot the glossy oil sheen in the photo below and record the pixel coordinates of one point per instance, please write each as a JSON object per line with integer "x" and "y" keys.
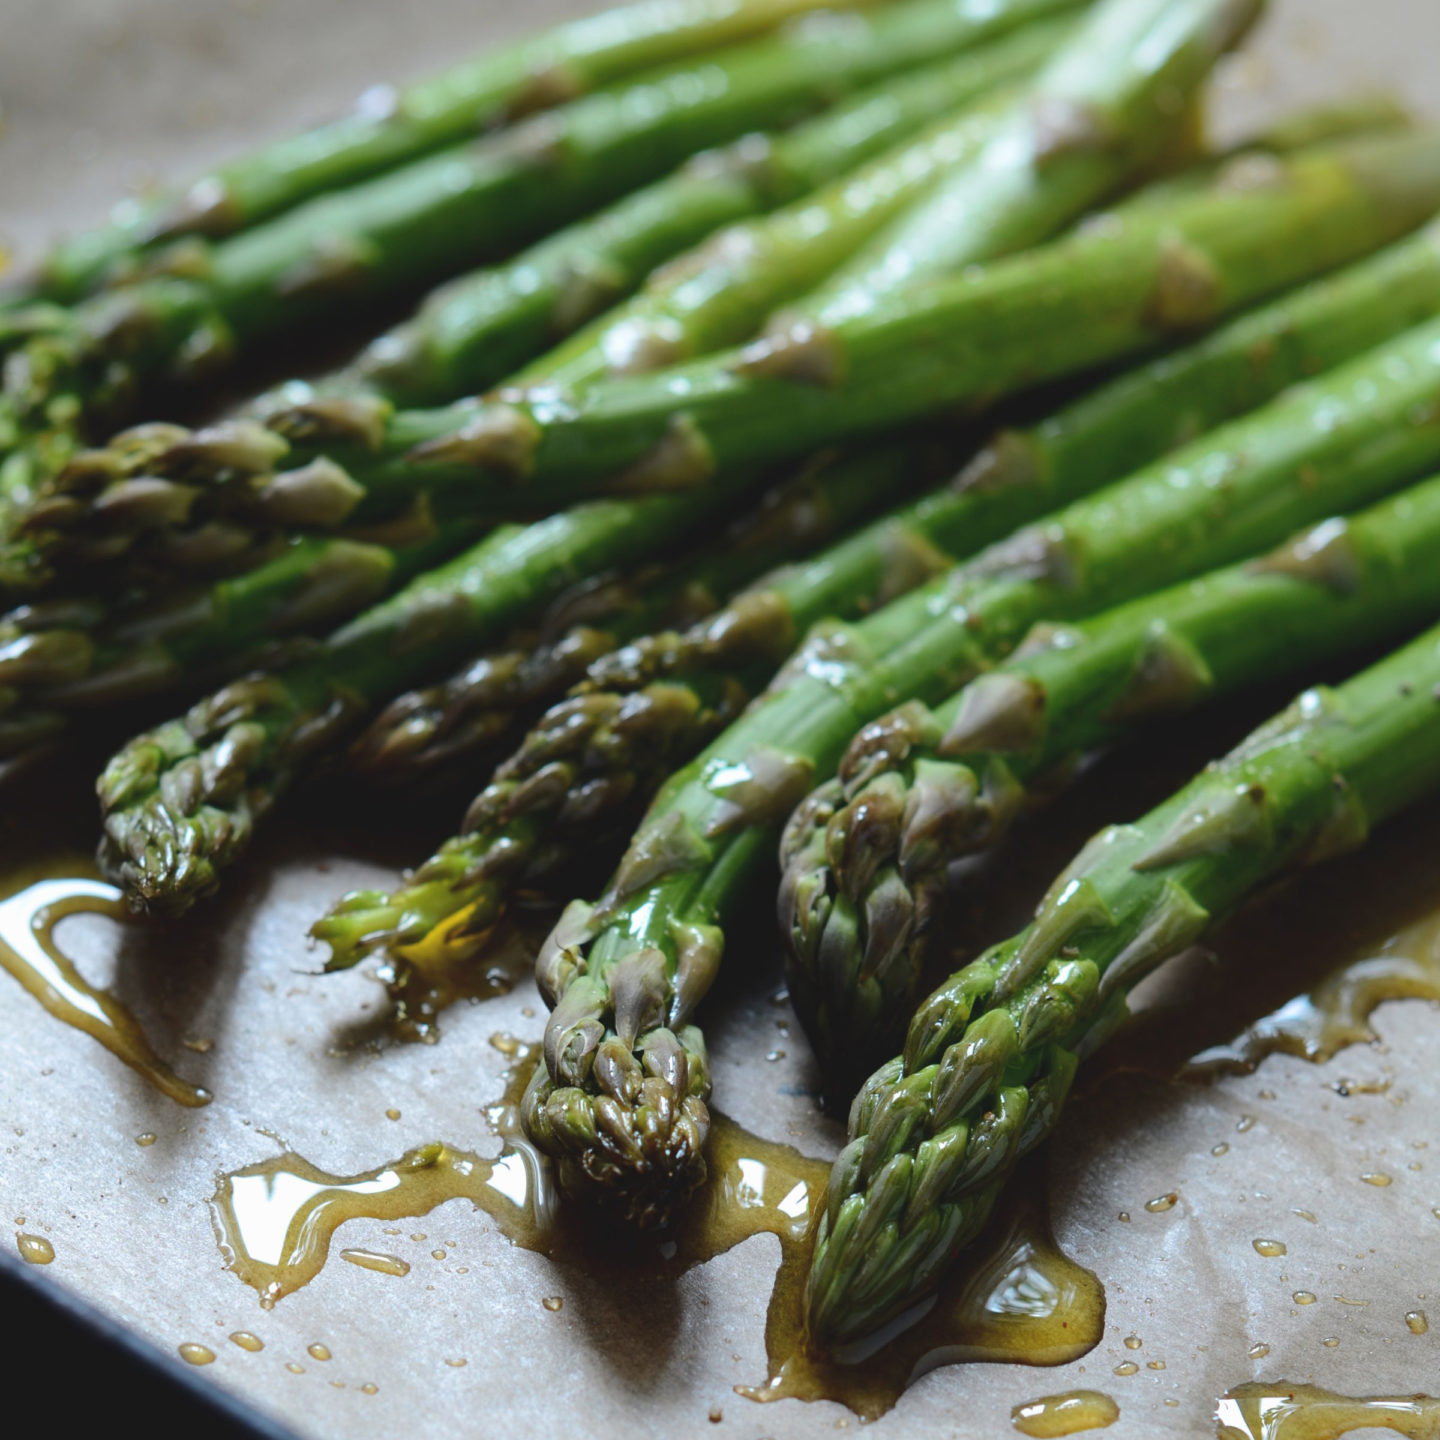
{"x": 1265, "y": 1410}
{"x": 1021, "y": 1301}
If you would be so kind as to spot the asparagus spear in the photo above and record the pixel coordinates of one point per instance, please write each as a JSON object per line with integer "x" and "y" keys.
{"x": 621, "y": 1100}
{"x": 650, "y": 706}
{"x": 429, "y": 729}
{"x": 1103, "y": 108}
{"x": 864, "y": 856}
{"x": 1092, "y": 297}
{"x": 990, "y": 1055}
{"x": 426, "y": 220}
{"x": 719, "y": 294}
{"x": 180, "y": 802}
{"x": 310, "y": 585}
{"x": 542, "y": 796}
{"x": 390, "y": 127}
{"x": 481, "y": 328}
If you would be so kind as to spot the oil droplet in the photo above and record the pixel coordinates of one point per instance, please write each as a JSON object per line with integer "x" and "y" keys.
{"x": 392, "y": 1114}
{"x": 507, "y": 1044}
{"x": 29, "y": 953}
{"x": 1278, "y": 1410}
{"x": 1269, "y": 1248}
{"x": 1222, "y": 1148}
{"x": 1127, "y": 1367}
{"x": 317, "y": 1351}
{"x": 1133, "y": 1342}
{"x": 1376, "y": 1177}
{"x": 374, "y": 1260}
{"x": 294, "y": 1369}
{"x": 1305, "y": 1215}
{"x": 1244, "y": 1123}
{"x": 459, "y": 1363}
{"x": 368, "y": 1388}
{"x": 145, "y": 1140}
{"x": 337, "y": 1384}
{"x": 1343, "y": 1300}
{"x": 1258, "y": 1351}
{"x": 1155, "y": 1365}
{"x": 1330, "y": 1341}
{"x": 1167, "y": 1201}
{"x": 1066, "y": 1414}
{"x": 246, "y": 1341}
{"x": 199, "y": 1044}
{"x": 553, "y": 1302}
{"x": 716, "y": 1414}
{"x": 1303, "y": 1297}
{"x": 1124, "y": 1216}
{"x": 418, "y": 1237}
{"x": 1416, "y": 1322}
{"x": 35, "y": 1249}
{"x": 194, "y": 1354}
{"x": 437, "y": 1254}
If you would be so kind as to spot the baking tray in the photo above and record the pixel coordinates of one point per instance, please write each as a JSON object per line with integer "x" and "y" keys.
{"x": 102, "y": 96}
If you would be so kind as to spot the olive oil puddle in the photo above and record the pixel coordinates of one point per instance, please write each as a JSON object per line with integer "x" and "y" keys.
{"x": 1277, "y": 1410}
{"x": 1021, "y": 1300}
{"x": 444, "y": 968}
{"x": 1318, "y": 1024}
{"x": 29, "y": 953}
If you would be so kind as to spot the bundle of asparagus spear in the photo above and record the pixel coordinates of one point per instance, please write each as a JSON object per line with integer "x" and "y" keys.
{"x": 859, "y": 412}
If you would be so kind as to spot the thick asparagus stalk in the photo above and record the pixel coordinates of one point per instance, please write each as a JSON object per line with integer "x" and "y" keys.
{"x": 1102, "y": 109}
{"x": 990, "y": 1055}
{"x": 717, "y": 294}
{"x": 390, "y": 127}
{"x": 1093, "y": 297}
{"x": 483, "y": 327}
{"x": 427, "y": 220}
{"x": 720, "y": 294}
{"x": 592, "y": 761}
{"x": 181, "y": 801}
{"x": 864, "y": 857}
{"x": 429, "y": 729}
{"x": 621, "y": 1100}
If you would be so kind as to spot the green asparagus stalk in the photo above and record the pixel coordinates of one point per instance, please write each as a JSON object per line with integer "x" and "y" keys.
{"x": 540, "y": 797}
{"x": 649, "y": 707}
{"x": 990, "y": 1055}
{"x": 1105, "y": 106}
{"x": 864, "y": 857}
{"x": 390, "y": 127}
{"x": 158, "y": 645}
{"x": 1102, "y": 109}
{"x": 1347, "y": 118}
{"x": 428, "y": 730}
{"x": 1093, "y": 297}
{"x": 621, "y": 1100}
{"x": 180, "y": 802}
{"x": 719, "y": 294}
{"x": 427, "y": 220}
{"x": 483, "y": 327}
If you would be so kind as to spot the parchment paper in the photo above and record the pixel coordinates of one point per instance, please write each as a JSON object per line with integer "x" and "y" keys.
{"x": 100, "y": 95}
